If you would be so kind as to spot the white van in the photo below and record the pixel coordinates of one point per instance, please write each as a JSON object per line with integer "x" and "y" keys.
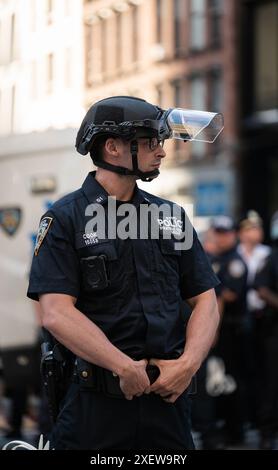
{"x": 35, "y": 170}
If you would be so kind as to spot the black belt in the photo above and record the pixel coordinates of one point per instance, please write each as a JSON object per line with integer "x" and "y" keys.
{"x": 98, "y": 379}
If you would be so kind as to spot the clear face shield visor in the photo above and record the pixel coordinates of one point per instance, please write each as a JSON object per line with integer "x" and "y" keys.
{"x": 174, "y": 123}
{"x": 191, "y": 125}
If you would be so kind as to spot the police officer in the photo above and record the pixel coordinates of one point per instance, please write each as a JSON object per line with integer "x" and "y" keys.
{"x": 230, "y": 347}
{"x": 115, "y": 301}
{"x": 254, "y": 253}
{"x": 266, "y": 284}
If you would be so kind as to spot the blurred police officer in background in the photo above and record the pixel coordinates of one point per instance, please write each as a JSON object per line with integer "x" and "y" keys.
{"x": 266, "y": 284}
{"x": 230, "y": 344}
{"x": 116, "y": 303}
{"x": 254, "y": 253}
{"x": 204, "y": 404}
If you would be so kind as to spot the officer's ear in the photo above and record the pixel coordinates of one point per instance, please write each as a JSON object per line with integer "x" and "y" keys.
{"x": 111, "y": 147}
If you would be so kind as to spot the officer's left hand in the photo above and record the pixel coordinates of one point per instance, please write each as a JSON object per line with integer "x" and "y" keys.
{"x": 173, "y": 380}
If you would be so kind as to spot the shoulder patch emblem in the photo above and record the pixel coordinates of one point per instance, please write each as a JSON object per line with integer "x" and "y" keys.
{"x": 43, "y": 229}
{"x": 236, "y": 268}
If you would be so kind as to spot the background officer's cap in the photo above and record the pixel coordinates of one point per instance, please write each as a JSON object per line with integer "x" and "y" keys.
{"x": 223, "y": 223}
{"x": 252, "y": 220}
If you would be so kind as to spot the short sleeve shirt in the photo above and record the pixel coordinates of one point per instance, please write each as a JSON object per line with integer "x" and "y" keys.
{"x": 133, "y": 288}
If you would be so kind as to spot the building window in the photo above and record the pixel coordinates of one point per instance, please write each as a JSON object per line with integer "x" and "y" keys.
{"x": 13, "y": 95}
{"x": 159, "y": 95}
{"x": 266, "y": 56}
{"x": 178, "y": 24}
{"x": 197, "y": 24}
{"x": 198, "y": 93}
{"x": 177, "y": 96}
{"x": 49, "y": 73}
{"x": 33, "y": 81}
{"x": 215, "y": 91}
{"x": 12, "y": 41}
{"x": 49, "y": 11}
{"x": 159, "y": 21}
{"x": 198, "y": 102}
{"x": 67, "y": 7}
{"x": 3, "y": 52}
{"x": 89, "y": 53}
{"x": 177, "y": 93}
{"x": 215, "y": 103}
{"x": 1, "y": 121}
{"x": 215, "y": 22}
{"x": 33, "y": 15}
{"x": 134, "y": 33}
{"x": 118, "y": 41}
{"x": 68, "y": 67}
{"x": 103, "y": 35}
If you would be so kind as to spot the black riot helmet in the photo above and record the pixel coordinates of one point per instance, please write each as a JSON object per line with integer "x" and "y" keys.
{"x": 130, "y": 118}
{"x": 119, "y": 116}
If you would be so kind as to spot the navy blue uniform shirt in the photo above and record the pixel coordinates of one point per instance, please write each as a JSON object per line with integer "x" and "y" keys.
{"x": 131, "y": 289}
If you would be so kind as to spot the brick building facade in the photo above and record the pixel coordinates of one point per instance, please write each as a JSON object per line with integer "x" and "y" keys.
{"x": 173, "y": 53}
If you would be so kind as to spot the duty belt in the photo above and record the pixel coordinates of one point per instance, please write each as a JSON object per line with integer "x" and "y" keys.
{"x": 98, "y": 379}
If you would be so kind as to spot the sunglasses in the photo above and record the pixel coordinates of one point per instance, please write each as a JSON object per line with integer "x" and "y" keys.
{"x": 153, "y": 142}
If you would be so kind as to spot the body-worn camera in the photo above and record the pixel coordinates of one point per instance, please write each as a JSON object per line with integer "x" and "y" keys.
{"x": 94, "y": 272}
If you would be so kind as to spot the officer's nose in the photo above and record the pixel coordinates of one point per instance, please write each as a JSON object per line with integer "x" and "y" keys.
{"x": 160, "y": 152}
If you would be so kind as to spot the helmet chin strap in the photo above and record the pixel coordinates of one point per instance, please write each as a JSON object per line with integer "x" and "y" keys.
{"x": 143, "y": 175}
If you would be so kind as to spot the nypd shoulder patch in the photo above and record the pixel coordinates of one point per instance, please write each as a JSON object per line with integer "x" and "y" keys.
{"x": 43, "y": 229}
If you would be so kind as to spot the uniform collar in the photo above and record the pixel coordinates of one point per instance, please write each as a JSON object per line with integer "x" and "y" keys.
{"x": 138, "y": 197}
{"x": 95, "y": 193}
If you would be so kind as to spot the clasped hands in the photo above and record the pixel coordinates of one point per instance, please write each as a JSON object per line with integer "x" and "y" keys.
{"x": 173, "y": 380}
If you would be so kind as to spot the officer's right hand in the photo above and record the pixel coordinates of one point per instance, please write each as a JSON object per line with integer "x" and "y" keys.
{"x": 134, "y": 379}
